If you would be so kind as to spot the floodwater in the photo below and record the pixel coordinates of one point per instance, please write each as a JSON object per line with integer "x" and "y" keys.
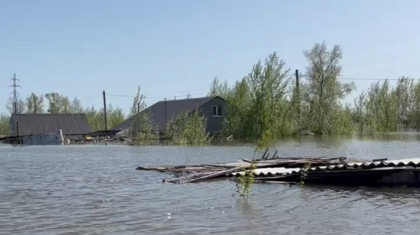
{"x": 95, "y": 189}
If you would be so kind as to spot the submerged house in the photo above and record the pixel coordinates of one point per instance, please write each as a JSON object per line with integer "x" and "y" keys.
{"x": 212, "y": 108}
{"x": 71, "y": 125}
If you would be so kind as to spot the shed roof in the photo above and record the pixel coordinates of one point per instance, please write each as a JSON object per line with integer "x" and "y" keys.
{"x": 173, "y": 108}
{"x": 389, "y": 164}
{"x": 70, "y": 124}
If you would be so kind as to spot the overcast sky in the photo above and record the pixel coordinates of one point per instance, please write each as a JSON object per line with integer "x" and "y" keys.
{"x": 172, "y": 48}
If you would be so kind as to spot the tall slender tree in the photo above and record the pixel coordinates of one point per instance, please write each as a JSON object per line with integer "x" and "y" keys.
{"x": 54, "y": 102}
{"x": 218, "y": 88}
{"x": 35, "y": 104}
{"x": 4, "y": 124}
{"x": 76, "y": 106}
{"x": 268, "y": 87}
{"x": 324, "y": 91}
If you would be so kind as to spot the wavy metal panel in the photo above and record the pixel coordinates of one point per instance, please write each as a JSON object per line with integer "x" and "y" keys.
{"x": 414, "y": 162}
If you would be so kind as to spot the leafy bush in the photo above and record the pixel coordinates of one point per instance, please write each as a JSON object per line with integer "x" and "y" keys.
{"x": 187, "y": 128}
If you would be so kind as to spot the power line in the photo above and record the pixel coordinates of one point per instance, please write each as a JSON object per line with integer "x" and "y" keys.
{"x": 370, "y": 79}
{"x": 362, "y": 79}
{"x": 168, "y": 95}
{"x": 192, "y": 95}
{"x": 176, "y": 92}
{"x": 153, "y": 94}
{"x": 126, "y": 96}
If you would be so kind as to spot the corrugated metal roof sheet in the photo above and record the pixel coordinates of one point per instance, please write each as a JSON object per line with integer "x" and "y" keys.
{"x": 271, "y": 171}
{"x": 33, "y": 124}
{"x": 173, "y": 107}
{"x": 415, "y": 162}
{"x": 388, "y": 163}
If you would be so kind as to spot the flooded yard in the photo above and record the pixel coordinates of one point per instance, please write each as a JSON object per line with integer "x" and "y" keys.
{"x": 95, "y": 189}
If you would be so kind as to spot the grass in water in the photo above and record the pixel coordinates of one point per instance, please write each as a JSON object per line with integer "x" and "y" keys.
{"x": 245, "y": 181}
{"x": 304, "y": 173}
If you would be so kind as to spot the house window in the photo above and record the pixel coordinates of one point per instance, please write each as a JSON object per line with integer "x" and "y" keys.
{"x": 217, "y": 111}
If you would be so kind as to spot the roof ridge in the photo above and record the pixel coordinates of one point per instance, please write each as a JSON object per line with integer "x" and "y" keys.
{"x": 204, "y": 97}
{"x": 50, "y": 114}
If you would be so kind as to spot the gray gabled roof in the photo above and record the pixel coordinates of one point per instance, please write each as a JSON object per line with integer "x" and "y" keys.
{"x": 173, "y": 108}
{"x": 32, "y": 124}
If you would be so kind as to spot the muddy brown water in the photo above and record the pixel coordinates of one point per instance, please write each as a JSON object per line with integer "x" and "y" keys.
{"x": 95, "y": 189}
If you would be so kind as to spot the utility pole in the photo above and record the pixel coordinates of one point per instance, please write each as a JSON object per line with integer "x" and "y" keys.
{"x": 15, "y": 93}
{"x": 106, "y": 123}
{"x": 298, "y": 96}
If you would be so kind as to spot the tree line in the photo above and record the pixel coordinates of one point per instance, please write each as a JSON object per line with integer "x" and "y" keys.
{"x": 269, "y": 102}
{"x": 272, "y": 102}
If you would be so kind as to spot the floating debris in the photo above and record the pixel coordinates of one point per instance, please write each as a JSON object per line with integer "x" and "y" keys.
{"x": 321, "y": 170}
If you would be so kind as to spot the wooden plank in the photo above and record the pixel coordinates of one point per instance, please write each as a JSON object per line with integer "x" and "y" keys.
{"x": 380, "y": 160}
{"x": 214, "y": 175}
{"x": 263, "y": 156}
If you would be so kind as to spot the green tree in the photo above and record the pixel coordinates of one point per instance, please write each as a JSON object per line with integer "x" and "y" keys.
{"x": 54, "y": 102}
{"x": 139, "y": 103}
{"x": 414, "y": 114}
{"x": 76, "y": 106}
{"x": 61, "y": 104}
{"x": 66, "y": 106}
{"x": 94, "y": 118}
{"x": 141, "y": 126}
{"x": 260, "y": 102}
{"x": 324, "y": 91}
{"x": 115, "y": 116}
{"x": 20, "y": 106}
{"x": 187, "y": 128}
{"x": 238, "y": 103}
{"x": 379, "y": 110}
{"x": 404, "y": 100}
{"x": 4, "y": 124}
{"x": 218, "y": 88}
{"x": 35, "y": 104}
{"x": 268, "y": 87}
{"x": 360, "y": 113}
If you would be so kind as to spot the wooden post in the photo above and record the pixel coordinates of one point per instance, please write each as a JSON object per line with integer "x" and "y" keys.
{"x": 106, "y": 123}
{"x": 275, "y": 153}
{"x": 17, "y": 132}
{"x": 165, "y": 113}
{"x": 43, "y": 136}
{"x": 263, "y": 156}
{"x": 298, "y": 96}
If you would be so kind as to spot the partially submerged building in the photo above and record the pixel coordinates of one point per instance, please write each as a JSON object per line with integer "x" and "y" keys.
{"x": 71, "y": 125}
{"x": 212, "y": 108}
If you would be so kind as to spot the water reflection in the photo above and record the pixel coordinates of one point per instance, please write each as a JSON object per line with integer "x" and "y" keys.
{"x": 392, "y": 195}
